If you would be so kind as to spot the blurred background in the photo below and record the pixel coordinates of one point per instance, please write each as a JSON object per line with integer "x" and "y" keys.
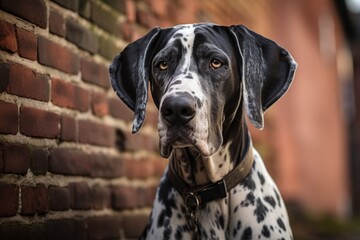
{"x": 69, "y": 166}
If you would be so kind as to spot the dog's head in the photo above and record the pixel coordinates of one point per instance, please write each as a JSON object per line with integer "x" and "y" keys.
{"x": 199, "y": 74}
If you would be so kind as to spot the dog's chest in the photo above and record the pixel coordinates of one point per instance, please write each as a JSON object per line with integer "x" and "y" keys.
{"x": 252, "y": 210}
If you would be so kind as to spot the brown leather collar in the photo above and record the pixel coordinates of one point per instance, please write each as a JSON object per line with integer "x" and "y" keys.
{"x": 196, "y": 196}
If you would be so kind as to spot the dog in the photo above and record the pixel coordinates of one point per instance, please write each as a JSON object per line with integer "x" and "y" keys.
{"x": 204, "y": 79}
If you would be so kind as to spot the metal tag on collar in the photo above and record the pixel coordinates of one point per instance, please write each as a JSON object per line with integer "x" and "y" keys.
{"x": 192, "y": 202}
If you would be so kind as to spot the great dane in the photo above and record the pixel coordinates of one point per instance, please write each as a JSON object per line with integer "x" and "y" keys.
{"x": 204, "y": 79}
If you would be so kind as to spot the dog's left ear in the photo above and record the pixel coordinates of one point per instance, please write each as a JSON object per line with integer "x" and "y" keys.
{"x": 129, "y": 75}
{"x": 267, "y": 72}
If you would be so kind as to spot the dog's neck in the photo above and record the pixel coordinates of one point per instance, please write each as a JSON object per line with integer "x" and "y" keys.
{"x": 195, "y": 169}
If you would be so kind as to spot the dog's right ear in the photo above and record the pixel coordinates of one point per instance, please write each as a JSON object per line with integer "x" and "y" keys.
{"x": 129, "y": 75}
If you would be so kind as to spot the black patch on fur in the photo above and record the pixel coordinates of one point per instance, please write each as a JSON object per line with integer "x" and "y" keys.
{"x": 277, "y": 197}
{"x": 281, "y": 224}
{"x": 249, "y": 183}
{"x": 237, "y": 228}
{"x": 260, "y": 211}
{"x": 261, "y": 177}
{"x": 250, "y": 200}
{"x": 270, "y": 200}
{"x": 219, "y": 221}
{"x": 247, "y": 234}
{"x": 265, "y": 231}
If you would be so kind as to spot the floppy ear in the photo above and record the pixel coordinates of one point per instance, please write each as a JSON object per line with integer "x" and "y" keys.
{"x": 267, "y": 72}
{"x": 129, "y": 75}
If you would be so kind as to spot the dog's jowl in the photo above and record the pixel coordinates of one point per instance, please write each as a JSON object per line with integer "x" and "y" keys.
{"x": 205, "y": 79}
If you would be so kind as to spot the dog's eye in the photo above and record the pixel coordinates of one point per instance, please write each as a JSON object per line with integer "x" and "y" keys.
{"x": 215, "y": 63}
{"x": 163, "y": 65}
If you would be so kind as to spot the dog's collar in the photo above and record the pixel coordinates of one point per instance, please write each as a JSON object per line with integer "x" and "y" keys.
{"x": 196, "y": 196}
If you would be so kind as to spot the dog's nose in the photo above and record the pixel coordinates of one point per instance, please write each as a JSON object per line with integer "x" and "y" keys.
{"x": 178, "y": 110}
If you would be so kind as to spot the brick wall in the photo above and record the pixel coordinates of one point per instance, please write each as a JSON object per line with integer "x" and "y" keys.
{"x": 69, "y": 166}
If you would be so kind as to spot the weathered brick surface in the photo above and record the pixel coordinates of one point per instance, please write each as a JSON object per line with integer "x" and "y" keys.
{"x": 60, "y": 229}
{"x": 106, "y": 227}
{"x": 124, "y": 197}
{"x": 69, "y": 162}
{"x": 133, "y": 223}
{"x": 70, "y": 4}
{"x": 14, "y": 231}
{"x": 59, "y": 198}
{"x": 96, "y": 133}
{"x": 27, "y": 83}
{"x": 4, "y": 75}
{"x": 54, "y": 55}
{"x": 39, "y": 123}
{"x": 27, "y": 44}
{"x": 95, "y": 73}
{"x": 119, "y": 110}
{"x": 81, "y": 196}
{"x": 9, "y": 194}
{"x": 108, "y": 48}
{"x": 81, "y": 36}
{"x": 39, "y": 161}
{"x": 16, "y": 158}
{"x": 57, "y": 23}
{"x": 103, "y": 16}
{"x": 28, "y": 200}
{"x": 106, "y": 167}
{"x": 99, "y": 104}
{"x": 69, "y": 95}
{"x": 42, "y": 199}
{"x": 32, "y": 11}
{"x": 7, "y": 37}
{"x": 8, "y": 118}
{"x": 100, "y": 197}
{"x": 68, "y": 128}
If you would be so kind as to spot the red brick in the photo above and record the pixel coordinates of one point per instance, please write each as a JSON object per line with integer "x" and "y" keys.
{"x": 148, "y": 195}
{"x": 9, "y": 194}
{"x": 133, "y": 225}
{"x": 107, "y": 167}
{"x": 25, "y": 82}
{"x": 119, "y": 110}
{"x": 106, "y": 19}
{"x": 33, "y": 11}
{"x": 95, "y": 73}
{"x": 141, "y": 142}
{"x": 66, "y": 94}
{"x": 39, "y": 161}
{"x": 59, "y": 198}
{"x": 56, "y": 23}
{"x": 130, "y": 10}
{"x": 8, "y": 118}
{"x": 69, "y": 162}
{"x": 13, "y": 231}
{"x": 100, "y": 197}
{"x": 16, "y": 158}
{"x": 68, "y": 128}
{"x": 81, "y": 196}
{"x": 4, "y": 76}
{"x": 27, "y": 44}
{"x": 124, "y": 197}
{"x": 28, "y": 200}
{"x": 105, "y": 227}
{"x": 42, "y": 199}
{"x": 139, "y": 168}
{"x": 146, "y": 18}
{"x": 70, "y": 4}
{"x": 160, "y": 8}
{"x": 96, "y": 133}
{"x": 7, "y": 36}
{"x": 61, "y": 229}
{"x": 54, "y": 55}
{"x": 39, "y": 123}
{"x": 117, "y": 5}
{"x": 99, "y": 104}
{"x": 81, "y": 36}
